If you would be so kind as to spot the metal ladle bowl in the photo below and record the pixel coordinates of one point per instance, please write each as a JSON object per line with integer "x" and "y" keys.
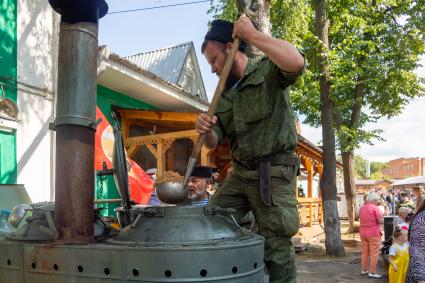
{"x": 171, "y": 192}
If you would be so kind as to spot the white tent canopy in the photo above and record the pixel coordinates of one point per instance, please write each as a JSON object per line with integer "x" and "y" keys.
{"x": 419, "y": 180}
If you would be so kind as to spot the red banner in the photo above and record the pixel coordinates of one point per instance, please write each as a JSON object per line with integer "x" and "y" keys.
{"x": 140, "y": 184}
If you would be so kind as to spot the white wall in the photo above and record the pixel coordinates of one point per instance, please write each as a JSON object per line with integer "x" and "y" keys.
{"x": 37, "y": 51}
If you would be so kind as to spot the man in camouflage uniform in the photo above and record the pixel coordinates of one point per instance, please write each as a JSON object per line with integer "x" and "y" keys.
{"x": 254, "y": 113}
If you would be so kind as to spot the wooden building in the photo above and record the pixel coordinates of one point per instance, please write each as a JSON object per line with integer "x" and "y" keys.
{"x": 367, "y": 186}
{"x": 165, "y": 140}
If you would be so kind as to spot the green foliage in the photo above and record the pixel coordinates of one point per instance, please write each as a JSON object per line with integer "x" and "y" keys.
{"x": 359, "y": 167}
{"x": 375, "y": 167}
{"x": 224, "y": 9}
{"x": 379, "y": 176}
{"x": 374, "y": 47}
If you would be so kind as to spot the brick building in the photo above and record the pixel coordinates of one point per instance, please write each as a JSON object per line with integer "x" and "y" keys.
{"x": 405, "y": 167}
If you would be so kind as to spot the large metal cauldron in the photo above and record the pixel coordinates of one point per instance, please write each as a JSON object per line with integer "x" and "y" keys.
{"x": 163, "y": 244}
{"x": 193, "y": 244}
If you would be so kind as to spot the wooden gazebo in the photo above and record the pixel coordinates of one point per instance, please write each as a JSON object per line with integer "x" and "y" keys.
{"x": 165, "y": 140}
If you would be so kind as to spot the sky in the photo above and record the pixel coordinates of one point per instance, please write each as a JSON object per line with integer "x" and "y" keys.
{"x": 136, "y": 32}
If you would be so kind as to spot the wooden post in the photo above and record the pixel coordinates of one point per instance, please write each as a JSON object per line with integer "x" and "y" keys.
{"x": 309, "y": 177}
{"x": 310, "y": 212}
{"x": 132, "y": 150}
{"x": 160, "y": 157}
{"x": 320, "y": 212}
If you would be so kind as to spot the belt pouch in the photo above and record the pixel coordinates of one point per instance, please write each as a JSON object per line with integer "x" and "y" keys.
{"x": 265, "y": 183}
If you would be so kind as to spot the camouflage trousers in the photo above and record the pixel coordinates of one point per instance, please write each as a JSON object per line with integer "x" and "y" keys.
{"x": 276, "y": 223}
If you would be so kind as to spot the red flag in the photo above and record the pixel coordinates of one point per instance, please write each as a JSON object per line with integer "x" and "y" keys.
{"x": 140, "y": 184}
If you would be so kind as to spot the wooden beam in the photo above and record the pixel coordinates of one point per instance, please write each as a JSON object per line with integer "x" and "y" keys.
{"x": 309, "y": 200}
{"x": 141, "y": 140}
{"x": 149, "y": 115}
{"x": 152, "y": 149}
{"x": 125, "y": 128}
{"x": 132, "y": 150}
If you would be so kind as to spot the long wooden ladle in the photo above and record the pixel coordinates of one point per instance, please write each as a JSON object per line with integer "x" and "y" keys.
{"x": 173, "y": 192}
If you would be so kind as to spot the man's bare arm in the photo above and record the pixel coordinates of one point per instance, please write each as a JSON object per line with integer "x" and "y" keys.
{"x": 281, "y": 52}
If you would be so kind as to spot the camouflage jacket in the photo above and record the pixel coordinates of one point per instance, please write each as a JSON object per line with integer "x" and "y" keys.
{"x": 256, "y": 115}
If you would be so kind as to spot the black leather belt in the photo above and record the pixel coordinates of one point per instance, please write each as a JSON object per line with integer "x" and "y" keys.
{"x": 264, "y": 165}
{"x": 276, "y": 159}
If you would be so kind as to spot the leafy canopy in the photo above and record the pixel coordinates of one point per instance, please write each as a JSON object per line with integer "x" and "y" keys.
{"x": 374, "y": 48}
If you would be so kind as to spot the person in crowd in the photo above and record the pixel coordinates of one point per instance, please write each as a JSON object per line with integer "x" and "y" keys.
{"x": 198, "y": 184}
{"x": 215, "y": 183}
{"x": 400, "y": 220}
{"x": 301, "y": 192}
{"x": 405, "y": 201}
{"x": 382, "y": 207}
{"x": 153, "y": 174}
{"x": 370, "y": 234}
{"x": 389, "y": 198}
{"x": 419, "y": 193}
{"x": 398, "y": 256}
{"x": 416, "y": 268}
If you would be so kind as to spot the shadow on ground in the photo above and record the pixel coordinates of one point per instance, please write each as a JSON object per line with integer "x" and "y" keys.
{"x": 314, "y": 268}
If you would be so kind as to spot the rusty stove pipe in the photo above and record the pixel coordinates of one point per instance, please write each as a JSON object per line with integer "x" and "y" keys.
{"x": 75, "y": 117}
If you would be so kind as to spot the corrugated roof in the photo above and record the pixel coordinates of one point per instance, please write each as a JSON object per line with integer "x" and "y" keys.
{"x": 367, "y": 182}
{"x": 166, "y": 63}
{"x": 177, "y": 65}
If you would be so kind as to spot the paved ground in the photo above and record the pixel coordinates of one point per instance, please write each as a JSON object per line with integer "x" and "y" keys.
{"x": 324, "y": 269}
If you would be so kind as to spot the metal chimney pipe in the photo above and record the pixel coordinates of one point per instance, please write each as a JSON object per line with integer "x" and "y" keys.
{"x": 75, "y": 123}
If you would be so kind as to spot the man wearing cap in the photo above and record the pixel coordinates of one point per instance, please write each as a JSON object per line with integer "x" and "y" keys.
{"x": 405, "y": 202}
{"x": 254, "y": 113}
{"x": 198, "y": 184}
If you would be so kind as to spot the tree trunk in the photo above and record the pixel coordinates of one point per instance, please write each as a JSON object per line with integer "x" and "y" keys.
{"x": 349, "y": 187}
{"x": 259, "y": 13}
{"x": 328, "y": 188}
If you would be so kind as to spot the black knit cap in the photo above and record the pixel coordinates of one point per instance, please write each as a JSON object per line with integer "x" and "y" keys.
{"x": 222, "y": 31}
{"x": 202, "y": 171}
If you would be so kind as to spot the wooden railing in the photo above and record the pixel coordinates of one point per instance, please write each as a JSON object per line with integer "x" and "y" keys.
{"x": 310, "y": 211}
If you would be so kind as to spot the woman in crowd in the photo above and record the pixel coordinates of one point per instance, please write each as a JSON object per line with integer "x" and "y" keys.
{"x": 416, "y": 269}
{"x": 400, "y": 220}
{"x": 398, "y": 256}
{"x": 370, "y": 233}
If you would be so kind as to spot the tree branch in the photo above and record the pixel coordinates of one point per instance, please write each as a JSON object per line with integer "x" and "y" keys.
{"x": 358, "y": 103}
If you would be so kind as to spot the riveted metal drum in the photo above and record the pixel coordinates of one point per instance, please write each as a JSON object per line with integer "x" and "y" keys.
{"x": 163, "y": 244}
{"x": 192, "y": 244}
